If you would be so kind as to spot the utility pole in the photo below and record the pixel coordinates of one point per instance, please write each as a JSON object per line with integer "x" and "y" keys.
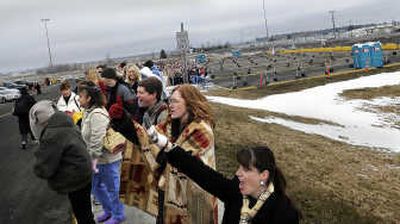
{"x": 265, "y": 21}
{"x": 332, "y": 12}
{"x": 48, "y": 40}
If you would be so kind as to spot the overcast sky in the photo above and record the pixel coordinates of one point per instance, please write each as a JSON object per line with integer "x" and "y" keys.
{"x": 86, "y": 30}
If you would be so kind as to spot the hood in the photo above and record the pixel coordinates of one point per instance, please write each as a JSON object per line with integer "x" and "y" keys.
{"x": 60, "y": 119}
{"x": 39, "y": 116}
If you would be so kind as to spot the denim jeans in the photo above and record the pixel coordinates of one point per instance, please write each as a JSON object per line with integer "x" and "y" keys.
{"x": 106, "y": 189}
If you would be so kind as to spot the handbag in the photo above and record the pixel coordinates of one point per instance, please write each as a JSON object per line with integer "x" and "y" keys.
{"x": 114, "y": 141}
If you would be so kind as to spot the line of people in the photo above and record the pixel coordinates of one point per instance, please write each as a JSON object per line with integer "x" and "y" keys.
{"x": 168, "y": 165}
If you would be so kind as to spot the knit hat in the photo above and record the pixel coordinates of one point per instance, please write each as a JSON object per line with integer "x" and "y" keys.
{"x": 39, "y": 114}
{"x": 109, "y": 73}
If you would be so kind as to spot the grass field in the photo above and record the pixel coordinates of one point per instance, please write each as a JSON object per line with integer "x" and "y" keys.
{"x": 330, "y": 181}
{"x": 371, "y": 93}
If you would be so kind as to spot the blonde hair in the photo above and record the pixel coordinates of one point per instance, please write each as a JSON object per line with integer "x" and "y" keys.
{"x": 136, "y": 73}
{"x": 93, "y": 76}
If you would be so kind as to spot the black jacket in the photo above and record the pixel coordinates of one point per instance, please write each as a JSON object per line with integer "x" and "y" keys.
{"x": 62, "y": 158}
{"x": 276, "y": 210}
{"x": 21, "y": 110}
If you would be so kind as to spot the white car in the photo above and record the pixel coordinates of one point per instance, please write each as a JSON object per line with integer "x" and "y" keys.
{"x": 6, "y": 96}
{"x": 5, "y": 88}
{"x": 3, "y": 97}
{"x": 15, "y": 95}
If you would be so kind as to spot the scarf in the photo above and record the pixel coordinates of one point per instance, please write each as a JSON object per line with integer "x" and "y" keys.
{"x": 247, "y": 214}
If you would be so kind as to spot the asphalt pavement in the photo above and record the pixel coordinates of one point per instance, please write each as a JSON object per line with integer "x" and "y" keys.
{"x": 25, "y": 198}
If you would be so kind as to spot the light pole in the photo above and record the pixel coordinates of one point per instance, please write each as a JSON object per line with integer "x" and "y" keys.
{"x": 265, "y": 21}
{"x": 48, "y": 40}
{"x": 332, "y": 12}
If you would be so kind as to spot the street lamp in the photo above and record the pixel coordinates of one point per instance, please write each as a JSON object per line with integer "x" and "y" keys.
{"x": 265, "y": 21}
{"x": 48, "y": 40}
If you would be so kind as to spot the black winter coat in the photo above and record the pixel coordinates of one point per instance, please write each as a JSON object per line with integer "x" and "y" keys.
{"x": 62, "y": 158}
{"x": 276, "y": 210}
{"x": 27, "y": 102}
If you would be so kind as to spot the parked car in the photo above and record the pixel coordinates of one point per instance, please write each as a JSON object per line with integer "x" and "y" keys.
{"x": 27, "y": 83}
{"x": 14, "y": 90}
{"x": 12, "y": 85}
{"x": 15, "y": 95}
{"x": 6, "y": 96}
{"x": 3, "y": 97}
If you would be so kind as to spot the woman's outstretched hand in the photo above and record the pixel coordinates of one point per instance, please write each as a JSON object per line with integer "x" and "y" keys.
{"x": 160, "y": 140}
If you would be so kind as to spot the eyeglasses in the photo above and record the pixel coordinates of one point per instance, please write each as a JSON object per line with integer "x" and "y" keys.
{"x": 174, "y": 101}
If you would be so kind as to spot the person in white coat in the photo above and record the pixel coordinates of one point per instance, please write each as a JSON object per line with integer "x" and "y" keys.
{"x": 68, "y": 101}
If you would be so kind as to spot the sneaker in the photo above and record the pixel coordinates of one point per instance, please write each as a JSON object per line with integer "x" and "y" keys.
{"x": 104, "y": 217}
{"x": 114, "y": 221}
{"x": 23, "y": 145}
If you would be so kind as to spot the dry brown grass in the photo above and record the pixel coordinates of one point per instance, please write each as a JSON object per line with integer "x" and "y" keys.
{"x": 330, "y": 181}
{"x": 371, "y": 93}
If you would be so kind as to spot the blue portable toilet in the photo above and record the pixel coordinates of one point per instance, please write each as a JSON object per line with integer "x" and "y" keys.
{"x": 367, "y": 55}
{"x": 201, "y": 58}
{"x": 376, "y": 55}
{"x": 355, "y": 53}
{"x": 236, "y": 53}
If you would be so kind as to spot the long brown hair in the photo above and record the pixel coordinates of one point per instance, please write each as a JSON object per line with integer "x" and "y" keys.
{"x": 196, "y": 104}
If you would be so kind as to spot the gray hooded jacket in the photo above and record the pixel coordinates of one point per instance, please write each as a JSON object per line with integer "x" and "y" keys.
{"x": 62, "y": 158}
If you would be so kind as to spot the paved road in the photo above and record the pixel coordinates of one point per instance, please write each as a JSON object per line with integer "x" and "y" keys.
{"x": 24, "y": 198}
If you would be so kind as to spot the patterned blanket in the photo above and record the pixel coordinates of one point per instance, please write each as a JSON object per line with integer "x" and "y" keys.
{"x": 184, "y": 201}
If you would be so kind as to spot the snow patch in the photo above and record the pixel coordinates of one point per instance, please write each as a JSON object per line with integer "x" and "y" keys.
{"x": 360, "y": 127}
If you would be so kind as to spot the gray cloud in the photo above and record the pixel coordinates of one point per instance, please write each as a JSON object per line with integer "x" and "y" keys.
{"x": 89, "y": 30}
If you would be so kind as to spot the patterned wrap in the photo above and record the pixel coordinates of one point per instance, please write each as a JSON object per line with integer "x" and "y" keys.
{"x": 185, "y": 202}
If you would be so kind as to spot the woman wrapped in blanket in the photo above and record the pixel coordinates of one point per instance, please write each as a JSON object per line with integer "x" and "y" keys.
{"x": 190, "y": 125}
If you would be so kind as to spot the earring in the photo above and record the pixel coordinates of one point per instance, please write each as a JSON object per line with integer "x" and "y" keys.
{"x": 262, "y": 183}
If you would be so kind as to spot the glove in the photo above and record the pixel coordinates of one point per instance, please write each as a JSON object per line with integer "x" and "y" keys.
{"x": 94, "y": 166}
{"x": 160, "y": 140}
{"x": 116, "y": 110}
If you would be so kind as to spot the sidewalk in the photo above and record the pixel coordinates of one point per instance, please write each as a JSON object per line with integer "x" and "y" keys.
{"x": 137, "y": 216}
{"x": 133, "y": 215}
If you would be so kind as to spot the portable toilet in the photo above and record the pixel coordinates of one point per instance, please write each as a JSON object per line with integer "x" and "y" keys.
{"x": 201, "y": 58}
{"x": 355, "y": 53}
{"x": 376, "y": 55}
{"x": 367, "y": 55}
{"x": 236, "y": 53}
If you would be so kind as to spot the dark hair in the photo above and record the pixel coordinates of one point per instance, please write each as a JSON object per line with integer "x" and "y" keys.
{"x": 262, "y": 158}
{"x": 152, "y": 85}
{"x": 149, "y": 63}
{"x": 24, "y": 90}
{"x": 122, "y": 64}
{"x": 109, "y": 73}
{"x": 90, "y": 89}
{"x": 101, "y": 66}
{"x": 65, "y": 85}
